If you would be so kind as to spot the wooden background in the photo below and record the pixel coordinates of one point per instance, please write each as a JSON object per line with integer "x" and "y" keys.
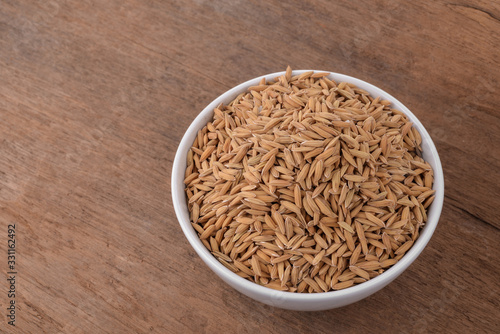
{"x": 96, "y": 95}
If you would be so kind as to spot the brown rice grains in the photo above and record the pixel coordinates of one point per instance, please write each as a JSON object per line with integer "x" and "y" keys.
{"x": 303, "y": 184}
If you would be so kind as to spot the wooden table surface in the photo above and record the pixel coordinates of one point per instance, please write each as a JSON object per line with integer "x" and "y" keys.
{"x": 95, "y": 96}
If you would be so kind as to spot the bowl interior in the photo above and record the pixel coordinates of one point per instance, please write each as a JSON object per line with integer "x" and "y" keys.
{"x": 430, "y": 155}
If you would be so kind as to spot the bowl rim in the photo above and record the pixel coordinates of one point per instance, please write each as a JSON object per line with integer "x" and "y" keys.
{"x": 370, "y": 286}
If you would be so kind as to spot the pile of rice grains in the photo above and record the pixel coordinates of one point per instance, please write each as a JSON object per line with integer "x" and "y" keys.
{"x": 303, "y": 184}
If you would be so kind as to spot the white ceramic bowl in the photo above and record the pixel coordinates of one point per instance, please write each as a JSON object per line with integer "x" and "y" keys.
{"x": 304, "y": 301}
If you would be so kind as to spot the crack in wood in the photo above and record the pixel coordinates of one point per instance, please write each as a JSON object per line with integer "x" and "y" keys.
{"x": 451, "y": 202}
{"x": 494, "y": 17}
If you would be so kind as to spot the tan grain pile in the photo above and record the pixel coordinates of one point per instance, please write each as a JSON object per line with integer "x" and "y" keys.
{"x": 303, "y": 184}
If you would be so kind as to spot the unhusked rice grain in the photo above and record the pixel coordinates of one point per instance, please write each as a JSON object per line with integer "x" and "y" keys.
{"x": 303, "y": 184}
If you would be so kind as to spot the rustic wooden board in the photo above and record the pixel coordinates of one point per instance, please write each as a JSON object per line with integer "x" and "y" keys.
{"x": 96, "y": 95}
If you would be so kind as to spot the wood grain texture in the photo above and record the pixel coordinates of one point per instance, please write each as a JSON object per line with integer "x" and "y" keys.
{"x": 95, "y": 96}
